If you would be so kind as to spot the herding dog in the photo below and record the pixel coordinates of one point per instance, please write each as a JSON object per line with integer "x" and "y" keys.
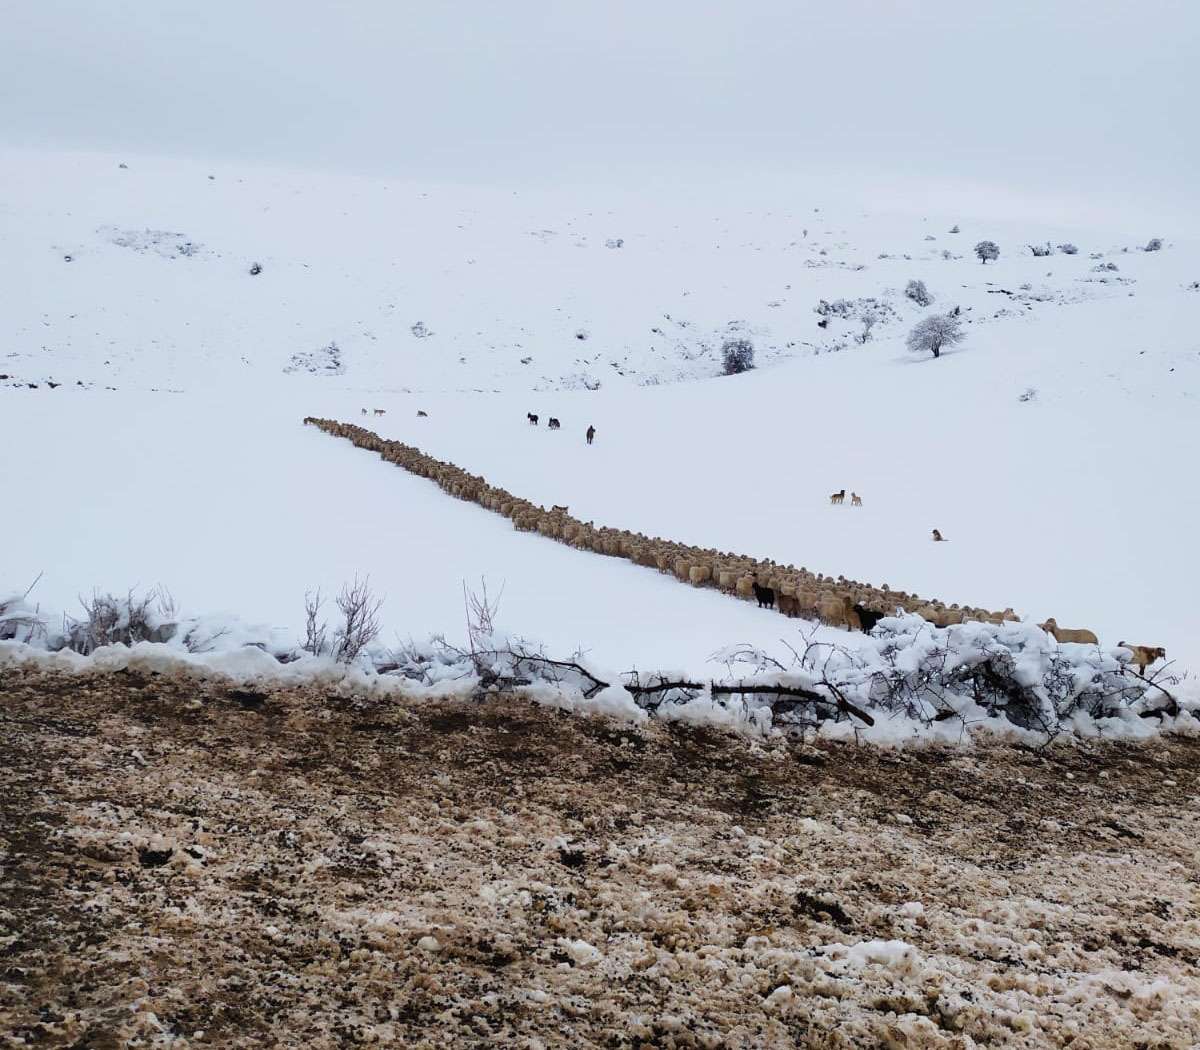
{"x": 855, "y": 499}
{"x": 532, "y": 419}
{"x": 1144, "y": 655}
{"x": 838, "y": 497}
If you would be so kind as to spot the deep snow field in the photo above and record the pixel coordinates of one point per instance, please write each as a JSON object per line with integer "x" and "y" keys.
{"x": 172, "y": 451}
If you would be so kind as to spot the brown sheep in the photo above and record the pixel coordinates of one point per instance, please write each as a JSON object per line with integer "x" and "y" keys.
{"x": 1144, "y": 655}
{"x": 1066, "y": 634}
{"x": 788, "y": 605}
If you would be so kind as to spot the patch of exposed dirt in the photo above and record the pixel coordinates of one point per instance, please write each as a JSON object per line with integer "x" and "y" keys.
{"x": 187, "y": 863}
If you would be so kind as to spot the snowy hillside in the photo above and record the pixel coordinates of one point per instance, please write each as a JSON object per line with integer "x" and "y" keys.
{"x": 152, "y": 390}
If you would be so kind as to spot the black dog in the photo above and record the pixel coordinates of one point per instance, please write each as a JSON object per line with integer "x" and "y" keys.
{"x": 765, "y": 595}
{"x": 532, "y": 418}
{"x": 867, "y": 618}
{"x": 554, "y": 424}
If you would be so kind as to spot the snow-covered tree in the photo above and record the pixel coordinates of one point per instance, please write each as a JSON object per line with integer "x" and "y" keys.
{"x": 987, "y": 250}
{"x": 737, "y": 355}
{"x": 931, "y": 334}
{"x": 918, "y": 293}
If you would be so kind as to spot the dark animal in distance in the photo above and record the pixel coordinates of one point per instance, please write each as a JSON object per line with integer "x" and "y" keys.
{"x": 421, "y": 414}
{"x": 591, "y": 433}
{"x": 938, "y": 537}
{"x": 532, "y": 418}
{"x": 554, "y": 424}
{"x": 867, "y": 618}
{"x": 838, "y": 497}
{"x": 765, "y": 596}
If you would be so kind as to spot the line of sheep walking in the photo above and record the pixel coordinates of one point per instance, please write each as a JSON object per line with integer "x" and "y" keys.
{"x": 796, "y": 592}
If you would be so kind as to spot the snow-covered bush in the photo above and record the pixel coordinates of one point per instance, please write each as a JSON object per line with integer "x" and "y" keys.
{"x": 109, "y": 620}
{"x": 1153, "y": 245}
{"x": 1041, "y": 250}
{"x": 934, "y": 333}
{"x": 737, "y": 355}
{"x": 987, "y": 250}
{"x": 1068, "y": 249}
{"x": 326, "y": 361}
{"x": 918, "y": 293}
{"x": 22, "y": 621}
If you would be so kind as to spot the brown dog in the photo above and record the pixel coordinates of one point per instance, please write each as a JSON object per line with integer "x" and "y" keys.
{"x": 838, "y": 497}
{"x": 855, "y": 499}
{"x": 380, "y": 411}
{"x": 1144, "y": 655}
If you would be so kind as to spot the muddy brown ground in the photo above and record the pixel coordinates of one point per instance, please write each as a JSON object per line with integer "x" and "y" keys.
{"x": 185, "y": 863}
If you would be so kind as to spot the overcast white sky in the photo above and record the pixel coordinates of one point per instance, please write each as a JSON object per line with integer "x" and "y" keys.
{"x": 1094, "y": 95}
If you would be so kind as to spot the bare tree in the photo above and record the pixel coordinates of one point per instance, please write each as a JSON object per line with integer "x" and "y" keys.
{"x": 314, "y": 628}
{"x": 934, "y": 332}
{"x": 361, "y": 611}
{"x": 481, "y": 620}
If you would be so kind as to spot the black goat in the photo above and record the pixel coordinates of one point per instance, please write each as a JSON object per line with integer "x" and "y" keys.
{"x": 532, "y": 418}
{"x": 765, "y": 595}
{"x": 868, "y": 618}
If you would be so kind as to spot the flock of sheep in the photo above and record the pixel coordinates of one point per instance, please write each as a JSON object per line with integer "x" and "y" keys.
{"x": 838, "y": 601}
{"x": 798, "y": 591}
